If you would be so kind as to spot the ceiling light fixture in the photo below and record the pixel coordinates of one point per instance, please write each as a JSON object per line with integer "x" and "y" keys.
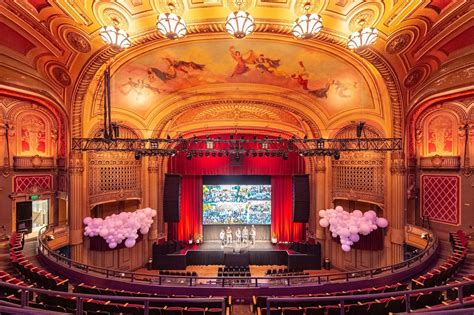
{"x": 365, "y": 37}
{"x": 171, "y": 25}
{"x": 308, "y": 25}
{"x": 239, "y": 23}
{"x": 114, "y": 36}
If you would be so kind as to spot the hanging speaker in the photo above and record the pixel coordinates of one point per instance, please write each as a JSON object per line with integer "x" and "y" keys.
{"x": 301, "y": 198}
{"x": 171, "y": 198}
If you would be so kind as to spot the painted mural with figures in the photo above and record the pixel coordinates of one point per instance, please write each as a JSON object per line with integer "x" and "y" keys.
{"x": 440, "y": 136}
{"x": 33, "y": 136}
{"x": 328, "y": 79}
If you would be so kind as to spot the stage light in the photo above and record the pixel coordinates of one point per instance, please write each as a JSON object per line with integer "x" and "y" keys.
{"x": 201, "y": 154}
{"x": 254, "y": 154}
{"x": 267, "y": 154}
{"x": 337, "y": 155}
{"x": 207, "y": 153}
{"x": 188, "y": 156}
{"x": 285, "y": 156}
{"x": 219, "y": 154}
{"x": 320, "y": 144}
{"x": 138, "y": 155}
{"x": 213, "y": 154}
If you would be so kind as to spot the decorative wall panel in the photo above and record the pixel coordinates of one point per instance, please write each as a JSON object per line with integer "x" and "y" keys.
{"x": 440, "y": 198}
{"x": 30, "y": 184}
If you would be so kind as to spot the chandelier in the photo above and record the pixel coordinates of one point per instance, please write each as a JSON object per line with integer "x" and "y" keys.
{"x": 171, "y": 25}
{"x": 239, "y": 23}
{"x": 115, "y": 37}
{"x": 307, "y": 25}
{"x": 363, "y": 38}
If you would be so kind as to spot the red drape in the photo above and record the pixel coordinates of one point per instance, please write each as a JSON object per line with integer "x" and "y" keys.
{"x": 191, "y": 189}
{"x": 190, "y": 223}
{"x": 282, "y": 211}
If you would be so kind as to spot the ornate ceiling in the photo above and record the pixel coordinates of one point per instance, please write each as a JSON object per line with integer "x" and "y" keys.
{"x": 52, "y": 48}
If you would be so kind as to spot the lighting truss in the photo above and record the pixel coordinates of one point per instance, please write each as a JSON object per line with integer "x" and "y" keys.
{"x": 241, "y": 146}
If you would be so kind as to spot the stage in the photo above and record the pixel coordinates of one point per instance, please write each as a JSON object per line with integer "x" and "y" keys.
{"x": 262, "y": 253}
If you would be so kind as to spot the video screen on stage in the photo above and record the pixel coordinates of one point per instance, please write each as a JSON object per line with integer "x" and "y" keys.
{"x": 237, "y": 204}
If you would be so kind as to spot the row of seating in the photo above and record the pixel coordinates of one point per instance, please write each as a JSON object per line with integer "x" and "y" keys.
{"x": 30, "y": 271}
{"x": 169, "y": 307}
{"x": 178, "y": 273}
{"x": 270, "y": 272}
{"x": 234, "y": 269}
{"x": 233, "y": 274}
{"x": 375, "y": 307}
{"x": 261, "y": 301}
{"x": 441, "y": 274}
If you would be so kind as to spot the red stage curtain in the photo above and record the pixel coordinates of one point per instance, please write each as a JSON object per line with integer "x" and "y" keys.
{"x": 191, "y": 189}
{"x": 282, "y": 211}
{"x": 191, "y": 208}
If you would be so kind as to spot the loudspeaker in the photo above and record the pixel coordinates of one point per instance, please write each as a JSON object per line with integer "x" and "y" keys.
{"x": 301, "y": 198}
{"x": 171, "y": 198}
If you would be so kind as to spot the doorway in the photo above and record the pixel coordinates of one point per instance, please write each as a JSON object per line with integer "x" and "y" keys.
{"x": 40, "y": 213}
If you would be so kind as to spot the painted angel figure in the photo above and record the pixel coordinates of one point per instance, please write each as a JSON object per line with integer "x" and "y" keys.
{"x": 173, "y": 68}
{"x": 242, "y": 63}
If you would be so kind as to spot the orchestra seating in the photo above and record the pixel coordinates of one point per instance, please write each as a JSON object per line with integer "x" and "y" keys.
{"x": 437, "y": 276}
{"x": 364, "y": 301}
{"x": 34, "y": 274}
{"x": 240, "y": 272}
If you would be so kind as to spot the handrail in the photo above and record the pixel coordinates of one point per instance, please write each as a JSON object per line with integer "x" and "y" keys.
{"x": 407, "y": 293}
{"x": 226, "y": 281}
{"x": 82, "y": 297}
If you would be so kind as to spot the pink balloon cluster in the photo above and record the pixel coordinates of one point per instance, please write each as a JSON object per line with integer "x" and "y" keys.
{"x": 118, "y": 227}
{"x": 348, "y": 226}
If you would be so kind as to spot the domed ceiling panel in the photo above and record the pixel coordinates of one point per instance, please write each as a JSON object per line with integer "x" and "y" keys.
{"x": 149, "y": 79}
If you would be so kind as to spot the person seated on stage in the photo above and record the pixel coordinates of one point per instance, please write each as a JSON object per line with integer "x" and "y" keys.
{"x": 253, "y": 234}
{"x": 222, "y": 237}
{"x": 238, "y": 236}
{"x": 228, "y": 234}
{"x": 245, "y": 235}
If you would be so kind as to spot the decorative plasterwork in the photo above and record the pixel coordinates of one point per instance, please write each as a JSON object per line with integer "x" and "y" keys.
{"x": 90, "y": 70}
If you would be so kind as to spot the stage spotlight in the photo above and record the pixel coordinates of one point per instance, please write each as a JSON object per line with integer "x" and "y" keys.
{"x": 219, "y": 154}
{"x": 138, "y": 155}
{"x": 285, "y": 156}
{"x": 213, "y": 154}
{"x": 207, "y": 153}
{"x": 320, "y": 144}
{"x": 201, "y": 154}
{"x": 260, "y": 154}
{"x": 188, "y": 156}
{"x": 337, "y": 155}
{"x": 254, "y": 154}
{"x": 267, "y": 154}
{"x": 195, "y": 154}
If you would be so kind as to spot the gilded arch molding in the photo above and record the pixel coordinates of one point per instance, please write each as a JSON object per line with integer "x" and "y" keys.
{"x": 96, "y": 62}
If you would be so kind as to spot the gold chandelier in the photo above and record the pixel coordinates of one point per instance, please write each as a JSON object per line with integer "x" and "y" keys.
{"x": 171, "y": 25}
{"x": 308, "y": 25}
{"x": 363, "y": 38}
{"x": 239, "y": 23}
{"x": 115, "y": 37}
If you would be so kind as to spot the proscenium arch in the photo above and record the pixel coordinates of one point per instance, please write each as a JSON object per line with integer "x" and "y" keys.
{"x": 82, "y": 99}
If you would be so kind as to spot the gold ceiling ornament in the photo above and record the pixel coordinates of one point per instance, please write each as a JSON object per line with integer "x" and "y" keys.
{"x": 171, "y": 25}
{"x": 240, "y": 23}
{"x": 114, "y": 36}
{"x": 308, "y": 25}
{"x": 363, "y": 38}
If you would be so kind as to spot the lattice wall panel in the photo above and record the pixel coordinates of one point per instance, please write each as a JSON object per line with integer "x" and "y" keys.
{"x": 120, "y": 172}
{"x": 440, "y": 198}
{"x": 27, "y": 184}
{"x": 359, "y": 178}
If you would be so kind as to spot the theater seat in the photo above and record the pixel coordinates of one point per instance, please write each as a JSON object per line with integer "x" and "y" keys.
{"x": 173, "y": 310}
{"x": 194, "y": 311}
{"x": 314, "y": 310}
{"x": 293, "y": 311}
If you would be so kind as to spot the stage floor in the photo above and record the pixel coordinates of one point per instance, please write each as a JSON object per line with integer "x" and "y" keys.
{"x": 217, "y": 245}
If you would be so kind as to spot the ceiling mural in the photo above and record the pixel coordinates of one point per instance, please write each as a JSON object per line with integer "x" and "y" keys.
{"x": 328, "y": 79}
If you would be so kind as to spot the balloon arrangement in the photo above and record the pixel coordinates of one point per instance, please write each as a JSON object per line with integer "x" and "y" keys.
{"x": 348, "y": 226}
{"x": 118, "y": 227}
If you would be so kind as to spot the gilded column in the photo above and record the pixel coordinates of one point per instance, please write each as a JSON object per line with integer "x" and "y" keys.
{"x": 320, "y": 181}
{"x": 76, "y": 205}
{"x": 396, "y": 211}
{"x": 153, "y": 168}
